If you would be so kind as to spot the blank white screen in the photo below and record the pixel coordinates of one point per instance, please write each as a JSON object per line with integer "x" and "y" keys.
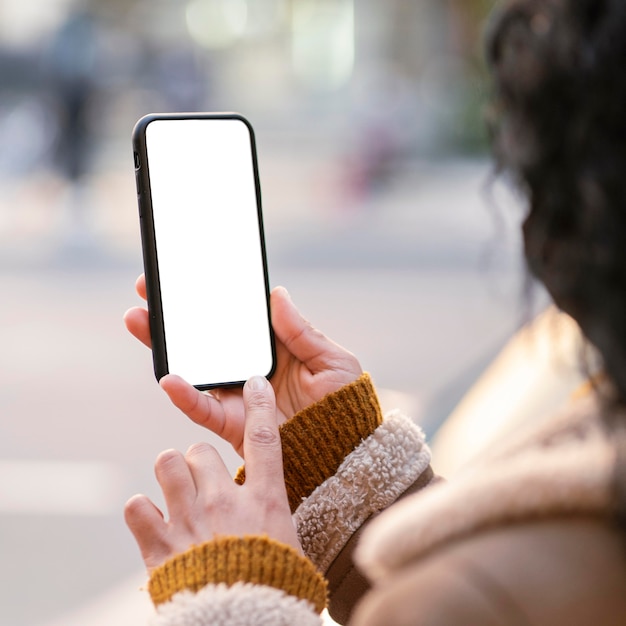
{"x": 208, "y": 249}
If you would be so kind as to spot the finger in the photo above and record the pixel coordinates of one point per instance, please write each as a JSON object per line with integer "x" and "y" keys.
{"x": 176, "y": 481}
{"x": 220, "y": 411}
{"x": 147, "y": 525}
{"x": 140, "y": 286}
{"x": 304, "y": 341}
{"x": 138, "y": 325}
{"x": 202, "y": 408}
{"x": 207, "y": 467}
{"x": 261, "y": 444}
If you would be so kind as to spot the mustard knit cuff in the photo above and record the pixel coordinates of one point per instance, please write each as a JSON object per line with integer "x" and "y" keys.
{"x": 252, "y": 559}
{"x": 317, "y": 439}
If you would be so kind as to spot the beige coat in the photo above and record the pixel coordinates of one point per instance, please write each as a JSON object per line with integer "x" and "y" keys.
{"x": 524, "y": 537}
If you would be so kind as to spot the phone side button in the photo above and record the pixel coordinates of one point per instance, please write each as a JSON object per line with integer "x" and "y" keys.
{"x": 139, "y": 190}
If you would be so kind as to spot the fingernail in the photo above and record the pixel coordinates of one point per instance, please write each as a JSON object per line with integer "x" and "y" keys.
{"x": 257, "y": 383}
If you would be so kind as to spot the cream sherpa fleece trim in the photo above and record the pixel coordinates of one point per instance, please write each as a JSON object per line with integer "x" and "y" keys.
{"x": 242, "y": 604}
{"x": 369, "y": 480}
{"x": 565, "y": 472}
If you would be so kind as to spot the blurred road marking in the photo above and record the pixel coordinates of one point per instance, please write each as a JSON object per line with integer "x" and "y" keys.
{"x": 60, "y": 488}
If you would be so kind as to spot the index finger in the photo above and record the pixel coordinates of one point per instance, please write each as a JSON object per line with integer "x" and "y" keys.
{"x": 261, "y": 446}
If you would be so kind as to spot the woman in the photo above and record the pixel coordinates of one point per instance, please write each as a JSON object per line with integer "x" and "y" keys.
{"x": 532, "y": 533}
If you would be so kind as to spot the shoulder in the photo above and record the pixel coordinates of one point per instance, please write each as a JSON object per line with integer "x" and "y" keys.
{"x": 555, "y": 571}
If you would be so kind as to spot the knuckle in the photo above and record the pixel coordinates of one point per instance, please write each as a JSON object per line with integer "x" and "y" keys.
{"x": 263, "y": 435}
{"x": 223, "y": 503}
{"x": 311, "y": 333}
{"x": 199, "y": 449}
{"x": 272, "y": 502}
{"x": 167, "y": 461}
{"x": 192, "y": 403}
{"x": 135, "y": 507}
{"x": 315, "y": 332}
{"x": 352, "y": 362}
{"x": 191, "y": 519}
{"x": 260, "y": 401}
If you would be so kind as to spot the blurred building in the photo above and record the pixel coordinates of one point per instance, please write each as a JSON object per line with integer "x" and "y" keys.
{"x": 404, "y": 76}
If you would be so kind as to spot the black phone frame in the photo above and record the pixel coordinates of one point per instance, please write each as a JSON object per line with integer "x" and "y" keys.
{"x": 149, "y": 247}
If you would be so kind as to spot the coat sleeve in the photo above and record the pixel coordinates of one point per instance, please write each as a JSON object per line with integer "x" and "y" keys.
{"x": 344, "y": 464}
{"x": 558, "y": 571}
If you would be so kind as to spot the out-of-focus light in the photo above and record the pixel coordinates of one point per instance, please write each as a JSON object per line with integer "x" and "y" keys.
{"x": 266, "y": 17}
{"x": 217, "y": 23}
{"x": 23, "y": 23}
{"x": 323, "y": 42}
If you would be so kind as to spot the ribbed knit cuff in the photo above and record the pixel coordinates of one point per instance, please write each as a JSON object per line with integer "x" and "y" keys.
{"x": 251, "y": 559}
{"x": 317, "y": 439}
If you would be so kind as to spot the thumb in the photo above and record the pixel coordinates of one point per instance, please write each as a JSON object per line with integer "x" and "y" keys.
{"x": 300, "y": 337}
{"x": 262, "y": 450}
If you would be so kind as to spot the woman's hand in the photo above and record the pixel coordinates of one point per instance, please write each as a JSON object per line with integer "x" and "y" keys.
{"x": 202, "y": 499}
{"x": 309, "y": 366}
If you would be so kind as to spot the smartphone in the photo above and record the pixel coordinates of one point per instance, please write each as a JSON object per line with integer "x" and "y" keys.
{"x": 203, "y": 247}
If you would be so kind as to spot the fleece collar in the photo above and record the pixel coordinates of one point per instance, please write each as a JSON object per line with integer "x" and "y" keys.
{"x": 564, "y": 467}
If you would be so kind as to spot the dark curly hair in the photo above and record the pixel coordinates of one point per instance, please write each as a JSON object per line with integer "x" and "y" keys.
{"x": 558, "y": 129}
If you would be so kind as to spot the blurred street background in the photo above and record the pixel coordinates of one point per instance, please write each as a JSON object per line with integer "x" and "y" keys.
{"x": 382, "y": 219}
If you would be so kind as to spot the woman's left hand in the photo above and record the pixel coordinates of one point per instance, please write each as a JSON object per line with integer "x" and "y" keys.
{"x": 202, "y": 499}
